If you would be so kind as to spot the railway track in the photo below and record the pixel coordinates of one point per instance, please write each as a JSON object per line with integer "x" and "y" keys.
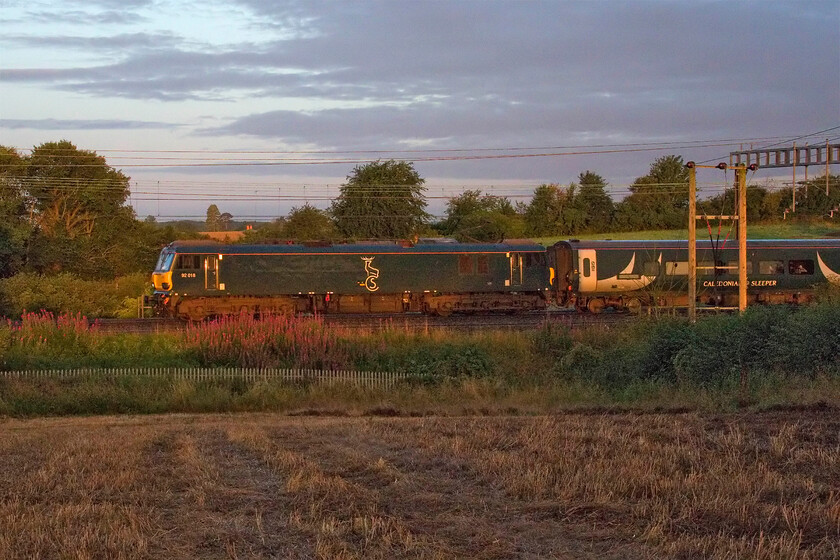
{"x": 528, "y": 321}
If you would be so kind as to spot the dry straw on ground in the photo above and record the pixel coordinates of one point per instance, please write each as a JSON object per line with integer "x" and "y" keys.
{"x": 577, "y": 486}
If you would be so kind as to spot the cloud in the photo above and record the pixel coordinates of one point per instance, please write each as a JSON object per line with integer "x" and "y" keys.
{"x": 80, "y": 124}
{"x": 486, "y": 74}
{"x": 521, "y": 53}
{"x": 131, "y": 41}
{"x": 87, "y": 18}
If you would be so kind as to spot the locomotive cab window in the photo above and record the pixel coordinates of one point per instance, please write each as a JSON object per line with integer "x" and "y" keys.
{"x": 801, "y": 267}
{"x": 188, "y": 262}
{"x": 165, "y": 262}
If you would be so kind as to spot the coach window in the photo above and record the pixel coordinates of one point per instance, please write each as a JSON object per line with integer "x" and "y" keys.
{"x": 731, "y": 267}
{"x": 465, "y": 264}
{"x": 188, "y": 262}
{"x": 650, "y": 268}
{"x": 676, "y": 268}
{"x": 801, "y": 267}
{"x": 771, "y": 267}
{"x": 483, "y": 262}
{"x": 586, "y": 267}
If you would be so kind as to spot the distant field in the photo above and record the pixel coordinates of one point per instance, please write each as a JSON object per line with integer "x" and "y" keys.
{"x": 757, "y": 231}
{"x": 759, "y": 485}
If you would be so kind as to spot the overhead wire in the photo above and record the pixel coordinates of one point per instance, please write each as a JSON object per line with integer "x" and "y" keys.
{"x": 423, "y": 150}
{"x": 184, "y": 190}
{"x": 575, "y": 151}
{"x": 787, "y": 140}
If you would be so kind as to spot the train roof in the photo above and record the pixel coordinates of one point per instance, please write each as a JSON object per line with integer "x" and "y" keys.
{"x": 203, "y": 246}
{"x": 731, "y": 243}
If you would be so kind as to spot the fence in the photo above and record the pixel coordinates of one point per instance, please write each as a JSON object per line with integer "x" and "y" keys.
{"x": 374, "y": 379}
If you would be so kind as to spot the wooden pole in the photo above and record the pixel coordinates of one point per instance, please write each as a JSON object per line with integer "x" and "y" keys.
{"x": 692, "y": 244}
{"x": 793, "y": 209}
{"x": 741, "y": 171}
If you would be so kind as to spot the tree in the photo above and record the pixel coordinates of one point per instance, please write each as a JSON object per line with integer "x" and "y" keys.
{"x": 72, "y": 188}
{"x": 658, "y": 200}
{"x": 15, "y": 227}
{"x": 552, "y": 211}
{"x": 811, "y": 199}
{"x": 83, "y": 224}
{"x": 308, "y": 223}
{"x": 473, "y": 217}
{"x": 544, "y": 214}
{"x": 381, "y": 200}
{"x": 213, "y": 218}
{"x": 594, "y": 203}
{"x": 225, "y": 221}
{"x": 759, "y": 206}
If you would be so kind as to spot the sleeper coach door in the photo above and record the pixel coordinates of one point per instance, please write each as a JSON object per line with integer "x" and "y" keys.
{"x": 211, "y": 272}
{"x": 588, "y": 270}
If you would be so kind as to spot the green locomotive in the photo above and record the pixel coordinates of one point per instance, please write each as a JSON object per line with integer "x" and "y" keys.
{"x": 194, "y": 280}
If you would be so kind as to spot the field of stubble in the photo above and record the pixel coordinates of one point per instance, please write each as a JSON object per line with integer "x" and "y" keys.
{"x": 758, "y": 485}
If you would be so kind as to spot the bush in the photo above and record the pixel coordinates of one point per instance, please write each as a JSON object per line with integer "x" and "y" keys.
{"x": 771, "y": 339}
{"x": 43, "y": 340}
{"x": 552, "y": 340}
{"x": 70, "y": 294}
{"x": 273, "y": 341}
{"x": 581, "y": 362}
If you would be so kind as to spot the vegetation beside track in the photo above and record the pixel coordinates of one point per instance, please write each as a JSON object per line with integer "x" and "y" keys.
{"x": 770, "y": 356}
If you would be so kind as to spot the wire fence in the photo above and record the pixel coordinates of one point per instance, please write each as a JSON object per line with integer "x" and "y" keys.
{"x": 372, "y": 379}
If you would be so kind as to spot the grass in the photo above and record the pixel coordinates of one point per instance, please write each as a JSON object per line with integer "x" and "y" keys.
{"x": 758, "y": 485}
{"x": 776, "y": 230}
{"x": 43, "y": 397}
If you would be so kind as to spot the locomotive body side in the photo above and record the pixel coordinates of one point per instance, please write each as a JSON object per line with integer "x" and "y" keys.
{"x": 628, "y": 275}
{"x": 208, "y": 279}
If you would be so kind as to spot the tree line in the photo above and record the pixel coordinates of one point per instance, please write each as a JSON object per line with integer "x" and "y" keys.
{"x": 385, "y": 200}
{"x": 65, "y": 210}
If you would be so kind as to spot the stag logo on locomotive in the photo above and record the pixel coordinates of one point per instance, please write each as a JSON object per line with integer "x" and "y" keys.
{"x": 372, "y": 275}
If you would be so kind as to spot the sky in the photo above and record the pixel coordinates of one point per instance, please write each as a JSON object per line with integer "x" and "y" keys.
{"x": 242, "y": 103}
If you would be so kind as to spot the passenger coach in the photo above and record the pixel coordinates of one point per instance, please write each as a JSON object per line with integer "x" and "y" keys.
{"x": 628, "y": 275}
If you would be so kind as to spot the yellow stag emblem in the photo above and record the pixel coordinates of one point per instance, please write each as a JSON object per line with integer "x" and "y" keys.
{"x": 372, "y": 275}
